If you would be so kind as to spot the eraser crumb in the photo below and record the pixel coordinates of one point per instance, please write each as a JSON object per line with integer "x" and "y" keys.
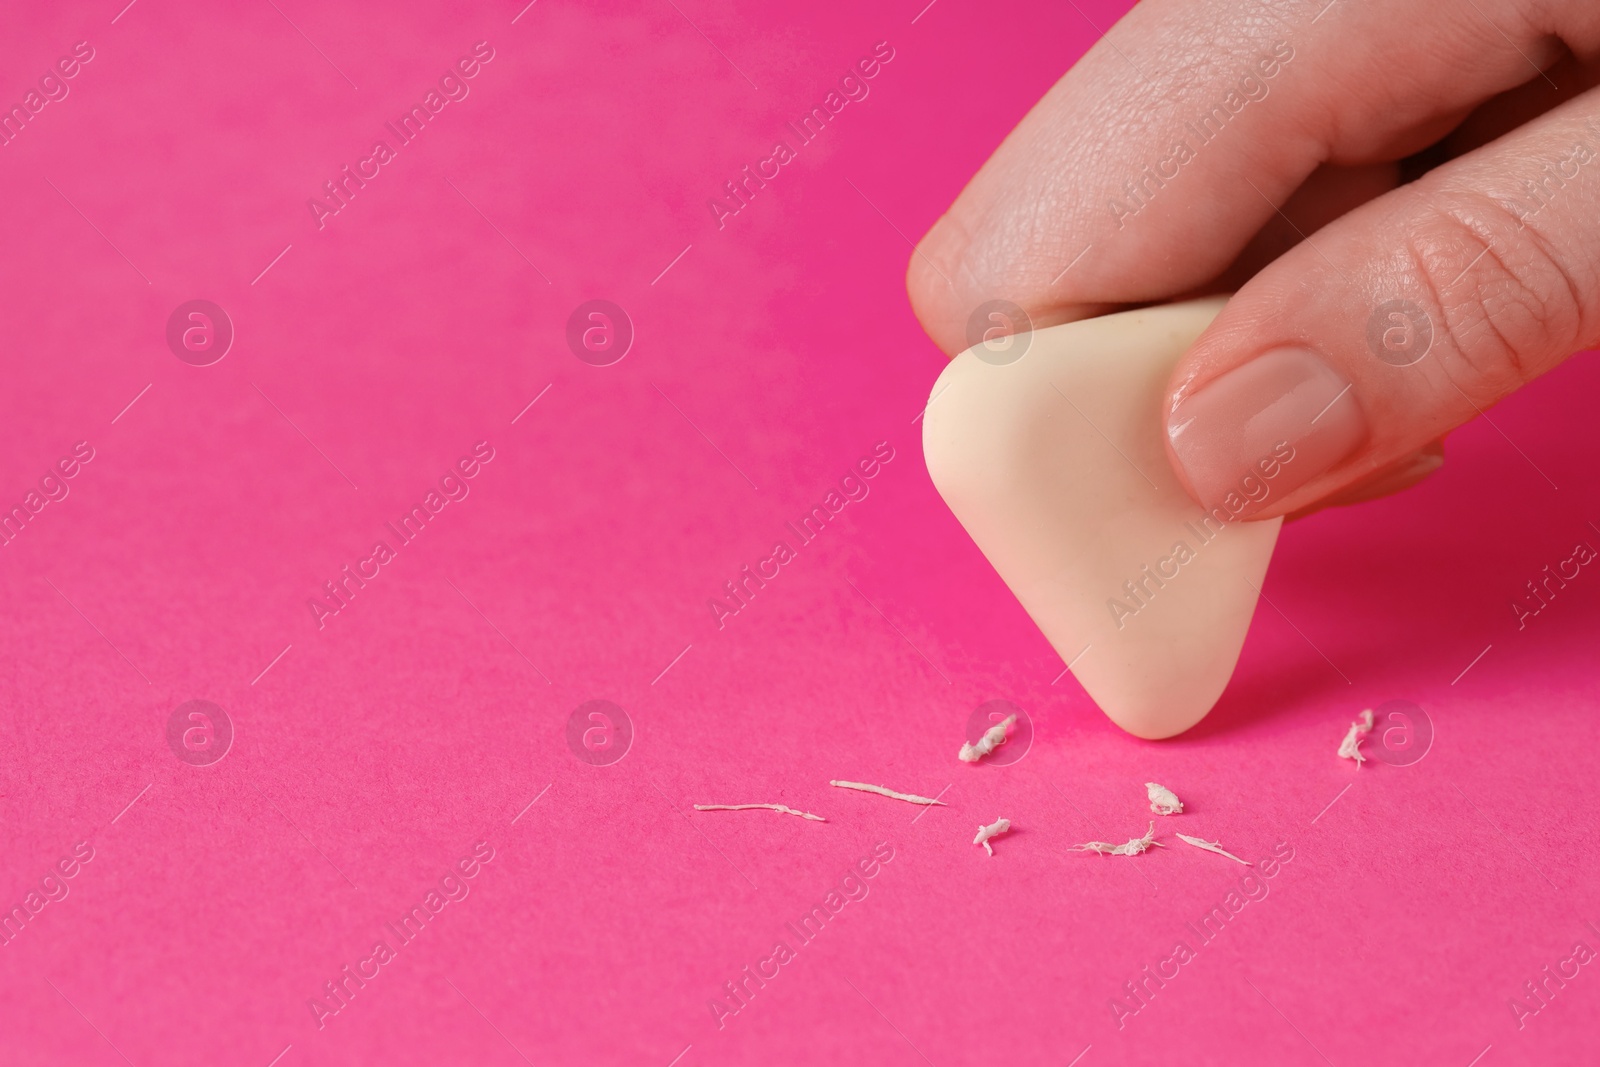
{"x": 769, "y": 807}
{"x": 1163, "y": 801}
{"x": 1132, "y": 848}
{"x": 909, "y": 798}
{"x": 994, "y": 829}
{"x": 1350, "y": 747}
{"x": 1213, "y": 846}
{"x": 992, "y": 738}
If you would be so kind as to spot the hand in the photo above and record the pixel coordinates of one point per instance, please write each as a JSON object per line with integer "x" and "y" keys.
{"x": 1405, "y": 194}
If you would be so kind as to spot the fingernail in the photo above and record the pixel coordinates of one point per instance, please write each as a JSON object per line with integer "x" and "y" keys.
{"x": 1263, "y": 430}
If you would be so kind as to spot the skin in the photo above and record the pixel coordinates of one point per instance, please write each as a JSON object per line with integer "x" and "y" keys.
{"x": 1389, "y": 157}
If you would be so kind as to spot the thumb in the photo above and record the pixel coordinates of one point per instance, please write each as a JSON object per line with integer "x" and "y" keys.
{"x": 1386, "y": 481}
{"x": 1393, "y": 325}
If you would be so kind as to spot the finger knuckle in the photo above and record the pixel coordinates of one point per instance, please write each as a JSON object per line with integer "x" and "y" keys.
{"x": 1507, "y": 302}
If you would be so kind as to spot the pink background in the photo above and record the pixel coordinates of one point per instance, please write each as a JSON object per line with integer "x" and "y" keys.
{"x": 379, "y": 749}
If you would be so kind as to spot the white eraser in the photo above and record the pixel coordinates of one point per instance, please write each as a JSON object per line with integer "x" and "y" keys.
{"x": 1056, "y": 465}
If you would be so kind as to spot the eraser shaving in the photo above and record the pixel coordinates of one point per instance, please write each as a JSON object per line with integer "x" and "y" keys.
{"x": 1213, "y": 846}
{"x": 1132, "y": 848}
{"x": 994, "y": 829}
{"x": 992, "y": 738}
{"x": 1163, "y": 801}
{"x": 767, "y": 807}
{"x": 1350, "y": 747}
{"x": 882, "y": 791}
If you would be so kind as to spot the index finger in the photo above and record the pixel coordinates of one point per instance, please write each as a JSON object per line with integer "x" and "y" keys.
{"x": 1149, "y": 166}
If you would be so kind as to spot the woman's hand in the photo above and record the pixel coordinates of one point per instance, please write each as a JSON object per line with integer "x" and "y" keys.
{"x": 1406, "y": 195}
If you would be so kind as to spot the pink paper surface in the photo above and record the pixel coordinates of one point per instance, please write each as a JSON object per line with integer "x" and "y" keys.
{"x": 374, "y": 751}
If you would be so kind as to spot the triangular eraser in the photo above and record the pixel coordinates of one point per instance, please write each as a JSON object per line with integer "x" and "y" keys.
{"x": 1055, "y": 462}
